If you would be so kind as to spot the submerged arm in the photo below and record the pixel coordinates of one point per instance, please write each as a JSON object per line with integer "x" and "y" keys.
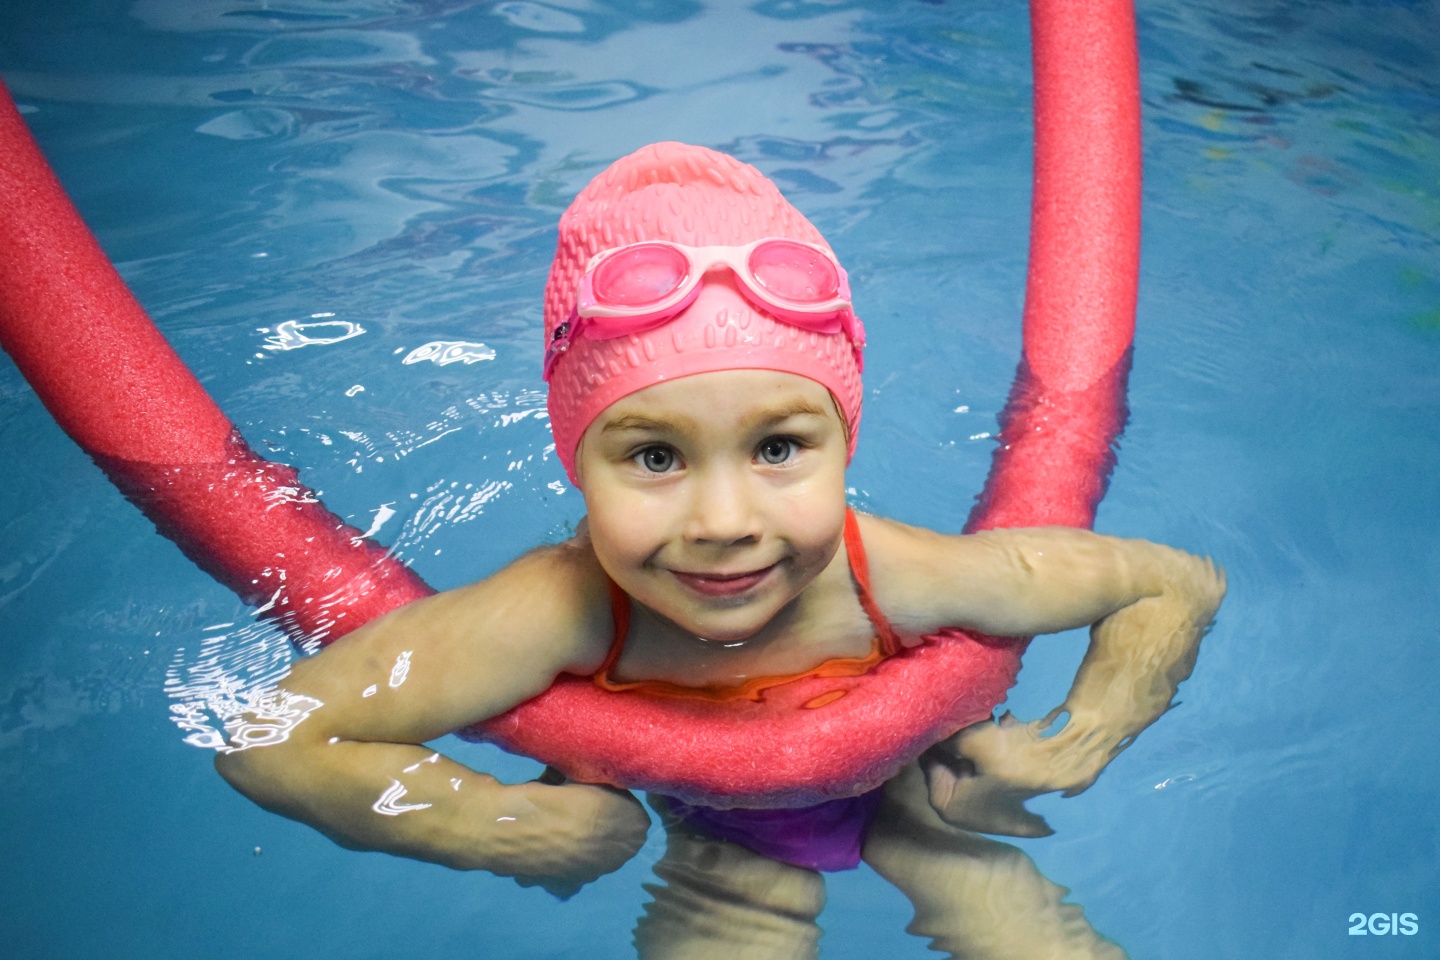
{"x": 339, "y": 745}
{"x": 1147, "y": 606}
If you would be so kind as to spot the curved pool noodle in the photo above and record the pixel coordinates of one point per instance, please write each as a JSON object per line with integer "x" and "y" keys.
{"x": 114, "y": 384}
{"x": 118, "y": 389}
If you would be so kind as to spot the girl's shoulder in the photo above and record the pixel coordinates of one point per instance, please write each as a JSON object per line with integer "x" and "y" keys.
{"x": 544, "y": 613}
{"x": 900, "y": 561}
{"x": 554, "y": 598}
{"x": 925, "y": 581}
{"x": 463, "y": 655}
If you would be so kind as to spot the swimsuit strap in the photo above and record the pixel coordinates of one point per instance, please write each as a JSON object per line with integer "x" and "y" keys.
{"x": 620, "y": 613}
{"x": 887, "y": 642}
{"x": 860, "y": 569}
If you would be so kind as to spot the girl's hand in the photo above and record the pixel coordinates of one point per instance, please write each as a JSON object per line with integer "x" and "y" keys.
{"x": 565, "y": 835}
{"x": 981, "y": 777}
{"x": 1144, "y": 637}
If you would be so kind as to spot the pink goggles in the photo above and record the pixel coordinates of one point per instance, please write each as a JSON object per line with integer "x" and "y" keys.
{"x": 642, "y": 286}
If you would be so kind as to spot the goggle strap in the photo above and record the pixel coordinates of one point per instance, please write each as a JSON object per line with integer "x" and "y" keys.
{"x": 560, "y": 342}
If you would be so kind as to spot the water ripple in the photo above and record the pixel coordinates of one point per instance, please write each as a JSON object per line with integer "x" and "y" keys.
{"x": 445, "y": 352}
{"x": 254, "y": 123}
{"x": 539, "y": 18}
{"x": 446, "y": 505}
{"x": 228, "y": 674}
{"x": 292, "y": 334}
{"x": 569, "y": 96}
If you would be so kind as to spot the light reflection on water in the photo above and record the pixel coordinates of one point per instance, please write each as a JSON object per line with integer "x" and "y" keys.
{"x": 292, "y": 334}
{"x": 442, "y": 353}
{"x": 224, "y": 676}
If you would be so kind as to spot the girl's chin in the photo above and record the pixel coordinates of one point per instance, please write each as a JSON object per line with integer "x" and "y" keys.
{"x": 721, "y": 630}
{"x": 735, "y": 621}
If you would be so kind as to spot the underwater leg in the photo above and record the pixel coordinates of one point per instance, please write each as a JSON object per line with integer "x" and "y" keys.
{"x": 974, "y": 898}
{"x": 718, "y": 899}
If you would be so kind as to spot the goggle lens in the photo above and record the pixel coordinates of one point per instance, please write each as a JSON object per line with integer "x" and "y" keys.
{"x": 640, "y": 275}
{"x": 640, "y": 286}
{"x": 794, "y": 272}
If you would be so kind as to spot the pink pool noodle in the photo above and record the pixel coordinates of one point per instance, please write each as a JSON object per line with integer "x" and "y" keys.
{"x": 113, "y": 383}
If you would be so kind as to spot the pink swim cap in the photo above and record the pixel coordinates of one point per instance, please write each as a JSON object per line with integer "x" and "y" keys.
{"x": 697, "y": 197}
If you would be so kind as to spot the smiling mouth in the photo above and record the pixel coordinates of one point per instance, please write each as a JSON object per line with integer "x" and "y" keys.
{"x": 723, "y": 584}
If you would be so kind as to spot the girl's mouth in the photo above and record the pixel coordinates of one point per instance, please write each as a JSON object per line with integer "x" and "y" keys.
{"x": 723, "y": 585}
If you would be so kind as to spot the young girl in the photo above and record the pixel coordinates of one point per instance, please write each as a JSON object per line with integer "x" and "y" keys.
{"x": 704, "y": 367}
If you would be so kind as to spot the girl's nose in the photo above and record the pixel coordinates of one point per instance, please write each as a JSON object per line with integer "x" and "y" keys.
{"x": 723, "y": 510}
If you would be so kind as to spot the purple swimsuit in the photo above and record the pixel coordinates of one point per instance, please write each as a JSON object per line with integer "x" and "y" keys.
{"x": 828, "y": 836}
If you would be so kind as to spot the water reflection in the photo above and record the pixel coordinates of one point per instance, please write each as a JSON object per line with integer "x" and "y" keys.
{"x": 401, "y": 670}
{"x": 445, "y": 352}
{"x": 256, "y": 123}
{"x": 540, "y": 18}
{"x": 268, "y": 719}
{"x": 227, "y": 697}
{"x": 224, "y": 695}
{"x": 567, "y": 96}
{"x": 294, "y": 334}
{"x": 389, "y": 804}
{"x": 973, "y": 897}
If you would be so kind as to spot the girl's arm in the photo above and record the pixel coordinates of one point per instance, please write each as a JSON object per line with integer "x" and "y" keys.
{"x": 1147, "y": 607}
{"x": 339, "y": 744}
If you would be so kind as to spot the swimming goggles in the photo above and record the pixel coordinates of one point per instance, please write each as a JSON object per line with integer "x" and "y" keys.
{"x": 641, "y": 286}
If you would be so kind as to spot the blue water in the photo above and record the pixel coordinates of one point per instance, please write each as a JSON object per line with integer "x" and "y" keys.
{"x": 306, "y": 193}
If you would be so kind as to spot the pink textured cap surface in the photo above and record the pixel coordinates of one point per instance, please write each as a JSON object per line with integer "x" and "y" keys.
{"x": 698, "y": 197}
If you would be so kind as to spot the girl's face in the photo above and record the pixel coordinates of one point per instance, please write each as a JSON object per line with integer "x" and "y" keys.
{"x": 715, "y": 499}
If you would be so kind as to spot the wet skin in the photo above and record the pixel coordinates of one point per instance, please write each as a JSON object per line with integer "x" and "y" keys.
{"x": 717, "y": 503}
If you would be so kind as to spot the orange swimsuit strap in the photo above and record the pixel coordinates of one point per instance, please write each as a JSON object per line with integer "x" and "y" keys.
{"x": 886, "y": 642}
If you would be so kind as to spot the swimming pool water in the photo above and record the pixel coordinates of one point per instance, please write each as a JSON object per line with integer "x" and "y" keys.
{"x": 341, "y": 213}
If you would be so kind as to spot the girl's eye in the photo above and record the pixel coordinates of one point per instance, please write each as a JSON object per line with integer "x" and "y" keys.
{"x": 656, "y": 459}
{"x": 777, "y": 450}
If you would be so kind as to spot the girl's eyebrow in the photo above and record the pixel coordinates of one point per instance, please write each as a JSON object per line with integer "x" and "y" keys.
{"x": 637, "y": 422}
{"x": 795, "y": 408}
